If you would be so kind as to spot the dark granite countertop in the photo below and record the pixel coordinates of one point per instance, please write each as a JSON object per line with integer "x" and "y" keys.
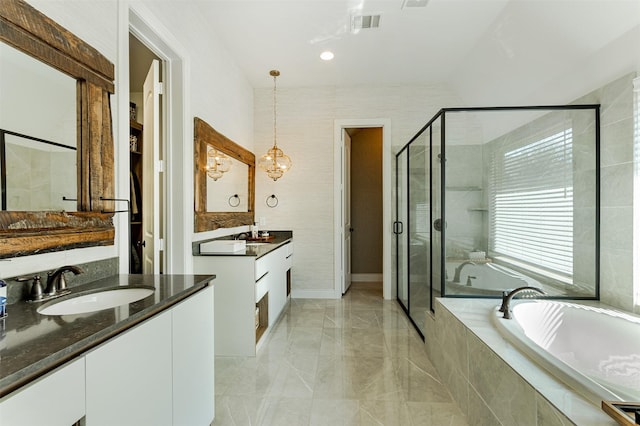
{"x": 280, "y": 238}
{"x": 32, "y": 344}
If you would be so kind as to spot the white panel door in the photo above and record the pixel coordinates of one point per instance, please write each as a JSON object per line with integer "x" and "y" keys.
{"x": 151, "y": 172}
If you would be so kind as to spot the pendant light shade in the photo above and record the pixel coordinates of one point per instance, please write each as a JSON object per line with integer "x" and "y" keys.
{"x": 217, "y": 164}
{"x": 274, "y": 162}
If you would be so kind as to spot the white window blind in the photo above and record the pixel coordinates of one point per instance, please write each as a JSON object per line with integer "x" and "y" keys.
{"x": 422, "y": 218}
{"x": 532, "y": 202}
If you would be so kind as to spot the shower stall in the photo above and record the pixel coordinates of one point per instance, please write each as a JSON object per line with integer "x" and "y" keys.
{"x": 494, "y": 198}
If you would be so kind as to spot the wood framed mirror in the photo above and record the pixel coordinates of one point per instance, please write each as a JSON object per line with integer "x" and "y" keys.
{"x": 205, "y": 139}
{"x": 30, "y": 232}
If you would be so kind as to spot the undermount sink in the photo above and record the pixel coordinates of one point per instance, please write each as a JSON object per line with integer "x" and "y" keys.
{"x": 96, "y": 301}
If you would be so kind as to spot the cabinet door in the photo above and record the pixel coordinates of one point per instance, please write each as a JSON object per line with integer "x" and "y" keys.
{"x": 193, "y": 360}
{"x": 277, "y": 284}
{"x": 56, "y": 399}
{"x": 129, "y": 378}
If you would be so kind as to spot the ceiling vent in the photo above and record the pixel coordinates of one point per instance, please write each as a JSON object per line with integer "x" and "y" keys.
{"x": 414, "y": 3}
{"x": 361, "y": 22}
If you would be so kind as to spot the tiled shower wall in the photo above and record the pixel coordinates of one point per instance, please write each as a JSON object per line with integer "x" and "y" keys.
{"x": 617, "y": 117}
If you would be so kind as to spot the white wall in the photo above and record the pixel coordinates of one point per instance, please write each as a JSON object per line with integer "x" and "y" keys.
{"x": 217, "y": 92}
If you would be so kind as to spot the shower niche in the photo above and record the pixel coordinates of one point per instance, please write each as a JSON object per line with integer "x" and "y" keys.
{"x": 494, "y": 198}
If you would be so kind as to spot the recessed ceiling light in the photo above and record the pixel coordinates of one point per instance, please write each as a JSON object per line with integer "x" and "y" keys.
{"x": 326, "y": 55}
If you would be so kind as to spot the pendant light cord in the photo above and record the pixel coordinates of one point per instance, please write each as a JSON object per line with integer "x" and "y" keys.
{"x": 275, "y": 75}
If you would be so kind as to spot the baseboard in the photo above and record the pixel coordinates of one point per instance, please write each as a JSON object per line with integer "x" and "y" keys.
{"x": 358, "y": 278}
{"x": 314, "y": 294}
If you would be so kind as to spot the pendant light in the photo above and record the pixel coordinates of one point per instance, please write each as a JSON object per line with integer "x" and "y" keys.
{"x": 217, "y": 163}
{"x": 274, "y": 162}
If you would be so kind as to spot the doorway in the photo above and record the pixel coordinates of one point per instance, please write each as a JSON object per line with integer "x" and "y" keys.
{"x": 363, "y": 208}
{"x": 342, "y": 207}
{"x": 146, "y": 147}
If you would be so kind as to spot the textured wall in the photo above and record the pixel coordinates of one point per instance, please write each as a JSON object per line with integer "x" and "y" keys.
{"x": 305, "y": 132}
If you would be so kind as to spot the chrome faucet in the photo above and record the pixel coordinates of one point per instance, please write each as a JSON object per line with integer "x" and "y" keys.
{"x": 508, "y": 295}
{"x": 56, "y": 281}
{"x": 456, "y": 275}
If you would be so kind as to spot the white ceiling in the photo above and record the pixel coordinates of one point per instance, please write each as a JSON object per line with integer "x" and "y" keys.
{"x": 480, "y": 48}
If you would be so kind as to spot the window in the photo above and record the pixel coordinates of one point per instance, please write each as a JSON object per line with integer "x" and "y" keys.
{"x": 532, "y": 202}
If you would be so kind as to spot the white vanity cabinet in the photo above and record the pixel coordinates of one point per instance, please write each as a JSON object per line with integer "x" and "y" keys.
{"x": 242, "y": 284}
{"x": 129, "y": 377}
{"x": 56, "y": 399}
{"x": 193, "y": 360}
{"x": 160, "y": 372}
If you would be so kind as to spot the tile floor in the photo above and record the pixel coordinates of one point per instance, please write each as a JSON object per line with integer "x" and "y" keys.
{"x": 354, "y": 361}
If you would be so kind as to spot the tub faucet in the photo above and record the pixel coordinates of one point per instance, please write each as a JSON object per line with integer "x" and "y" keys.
{"x": 456, "y": 275}
{"x": 56, "y": 281}
{"x": 508, "y": 295}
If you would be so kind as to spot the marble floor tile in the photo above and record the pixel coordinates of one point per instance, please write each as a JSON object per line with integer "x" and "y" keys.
{"x": 338, "y": 412}
{"x": 350, "y": 361}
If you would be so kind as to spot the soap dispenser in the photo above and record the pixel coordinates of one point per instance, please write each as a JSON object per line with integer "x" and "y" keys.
{"x": 3, "y": 299}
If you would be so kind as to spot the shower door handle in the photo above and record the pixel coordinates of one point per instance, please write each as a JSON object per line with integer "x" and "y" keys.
{"x": 437, "y": 224}
{"x": 397, "y": 228}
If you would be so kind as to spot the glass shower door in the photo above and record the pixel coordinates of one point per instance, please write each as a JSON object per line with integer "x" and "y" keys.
{"x": 402, "y": 247}
{"x": 419, "y": 231}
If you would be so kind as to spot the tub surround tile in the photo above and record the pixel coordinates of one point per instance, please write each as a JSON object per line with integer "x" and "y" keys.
{"x": 481, "y": 414}
{"x": 500, "y": 377}
{"x": 499, "y": 386}
{"x": 548, "y": 415}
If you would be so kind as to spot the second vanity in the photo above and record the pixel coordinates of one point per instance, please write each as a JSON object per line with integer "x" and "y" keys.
{"x": 251, "y": 291}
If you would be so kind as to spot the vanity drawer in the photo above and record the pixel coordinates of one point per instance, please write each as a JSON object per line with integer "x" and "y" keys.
{"x": 262, "y": 286}
{"x": 288, "y": 260}
{"x": 266, "y": 263}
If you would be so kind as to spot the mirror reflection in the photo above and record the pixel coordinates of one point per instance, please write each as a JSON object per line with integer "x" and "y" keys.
{"x": 38, "y": 121}
{"x": 216, "y": 204}
{"x": 229, "y": 191}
